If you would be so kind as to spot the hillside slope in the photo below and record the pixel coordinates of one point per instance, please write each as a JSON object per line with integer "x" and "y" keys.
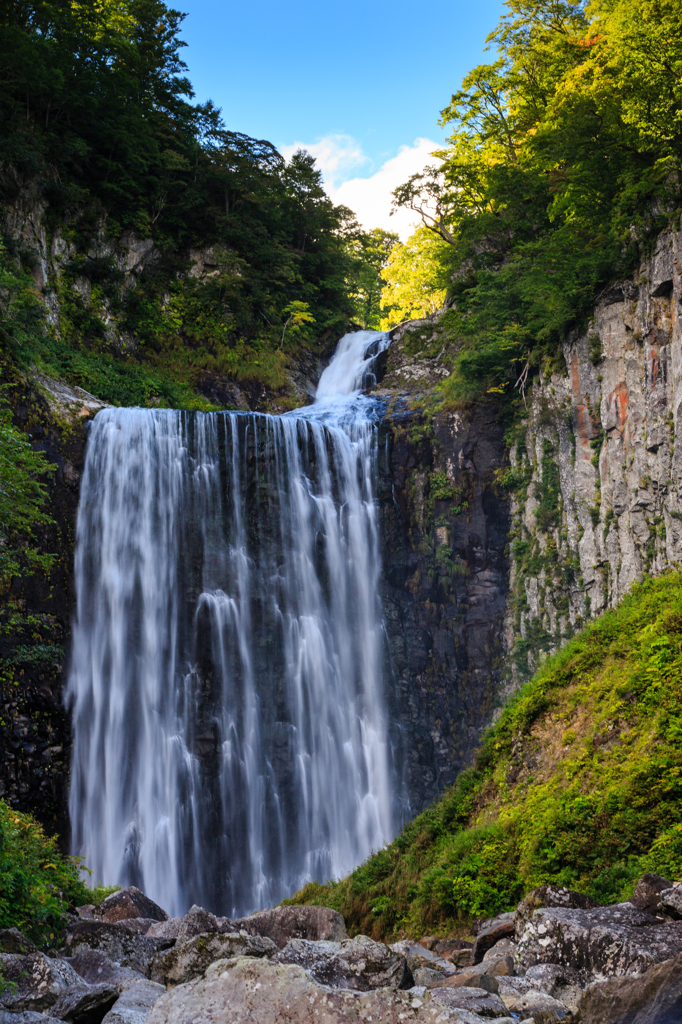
{"x": 579, "y": 783}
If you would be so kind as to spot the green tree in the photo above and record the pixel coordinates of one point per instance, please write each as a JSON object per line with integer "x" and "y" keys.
{"x": 416, "y": 278}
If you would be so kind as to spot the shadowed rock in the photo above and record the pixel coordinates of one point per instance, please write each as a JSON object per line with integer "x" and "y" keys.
{"x": 85, "y": 1004}
{"x": 654, "y": 997}
{"x": 95, "y": 968}
{"x": 647, "y": 894}
{"x": 119, "y": 944}
{"x": 130, "y": 902}
{"x": 12, "y": 941}
{"x": 135, "y": 1003}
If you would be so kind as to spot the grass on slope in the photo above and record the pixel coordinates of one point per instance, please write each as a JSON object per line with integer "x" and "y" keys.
{"x": 579, "y": 783}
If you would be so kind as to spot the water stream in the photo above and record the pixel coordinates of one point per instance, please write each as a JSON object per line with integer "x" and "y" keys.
{"x": 227, "y": 678}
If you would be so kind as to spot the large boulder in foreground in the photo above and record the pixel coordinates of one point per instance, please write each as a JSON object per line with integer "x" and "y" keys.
{"x": 130, "y": 903}
{"x": 190, "y": 959}
{"x": 654, "y": 997}
{"x": 33, "y": 982}
{"x": 116, "y": 943}
{"x": 283, "y": 923}
{"x": 250, "y": 991}
{"x": 135, "y": 1003}
{"x": 85, "y": 1004}
{"x": 606, "y": 941}
{"x": 360, "y": 963}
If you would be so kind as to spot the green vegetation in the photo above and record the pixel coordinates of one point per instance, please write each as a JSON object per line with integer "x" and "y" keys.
{"x": 563, "y": 164}
{"x": 37, "y": 883}
{"x": 22, "y": 498}
{"x": 578, "y": 783}
{"x": 98, "y": 128}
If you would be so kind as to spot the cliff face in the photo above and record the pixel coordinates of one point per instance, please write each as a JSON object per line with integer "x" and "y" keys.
{"x": 597, "y": 463}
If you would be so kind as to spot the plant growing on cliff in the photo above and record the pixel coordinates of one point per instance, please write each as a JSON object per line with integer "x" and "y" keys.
{"x": 22, "y": 498}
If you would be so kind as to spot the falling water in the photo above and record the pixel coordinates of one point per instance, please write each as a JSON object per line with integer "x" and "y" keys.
{"x": 230, "y": 733}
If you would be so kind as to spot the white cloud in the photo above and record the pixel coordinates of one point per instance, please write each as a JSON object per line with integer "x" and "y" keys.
{"x": 336, "y": 155}
{"x": 369, "y": 197}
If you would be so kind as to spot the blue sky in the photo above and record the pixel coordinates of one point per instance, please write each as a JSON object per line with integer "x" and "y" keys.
{"x": 359, "y": 84}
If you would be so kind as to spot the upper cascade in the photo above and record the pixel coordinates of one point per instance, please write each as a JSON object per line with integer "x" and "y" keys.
{"x": 350, "y": 369}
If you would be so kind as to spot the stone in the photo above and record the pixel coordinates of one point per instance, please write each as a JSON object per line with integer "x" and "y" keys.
{"x": 607, "y": 941}
{"x": 671, "y": 902}
{"x": 85, "y": 1004}
{"x": 549, "y": 896}
{"x": 428, "y": 975}
{"x": 418, "y": 957}
{"x": 283, "y": 923}
{"x": 119, "y": 944}
{"x": 647, "y": 894}
{"x": 95, "y": 968}
{"x": 360, "y": 963}
{"x": 198, "y": 921}
{"x": 429, "y": 942}
{"x": 448, "y": 946}
{"x": 476, "y": 1000}
{"x": 86, "y": 912}
{"x": 469, "y": 979}
{"x": 505, "y": 947}
{"x": 140, "y": 925}
{"x": 563, "y": 983}
{"x": 12, "y": 941}
{"x": 189, "y": 960}
{"x": 258, "y": 991}
{"x": 130, "y": 902}
{"x": 461, "y": 957}
{"x": 165, "y": 929}
{"x": 654, "y": 997}
{"x": 488, "y": 937}
{"x": 27, "y": 1017}
{"x": 135, "y": 1003}
{"x": 499, "y": 966}
{"x": 533, "y": 1004}
{"x": 35, "y": 982}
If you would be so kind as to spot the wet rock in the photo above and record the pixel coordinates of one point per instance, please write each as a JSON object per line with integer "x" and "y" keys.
{"x": 283, "y": 923}
{"x": 85, "y": 1004}
{"x": 647, "y": 894}
{"x": 609, "y": 941}
{"x": 189, "y": 960}
{"x": 654, "y": 997}
{"x": 127, "y": 903}
{"x": 12, "y": 941}
{"x": 503, "y": 928}
{"x": 33, "y": 982}
{"x": 475, "y": 1000}
{"x": 549, "y": 896}
{"x": 671, "y": 902}
{"x": 254, "y": 991}
{"x": 135, "y": 1003}
{"x": 360, "y": 963}
{"x": 95, "y": 968}
{"x": 119, "y": 944}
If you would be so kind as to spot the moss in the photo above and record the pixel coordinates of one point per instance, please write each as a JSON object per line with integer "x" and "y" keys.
{"x": 579, "y": 783}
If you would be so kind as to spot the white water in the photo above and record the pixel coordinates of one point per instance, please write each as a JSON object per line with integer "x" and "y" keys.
{"x": 230, "y": 732}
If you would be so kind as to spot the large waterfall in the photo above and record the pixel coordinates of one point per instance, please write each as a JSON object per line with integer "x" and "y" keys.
{"x": 227, "y": 679}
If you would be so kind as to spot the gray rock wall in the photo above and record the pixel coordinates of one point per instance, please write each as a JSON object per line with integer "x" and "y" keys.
{"x": 597, "y": 463}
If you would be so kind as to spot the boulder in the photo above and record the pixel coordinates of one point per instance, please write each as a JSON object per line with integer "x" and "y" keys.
{"x": 475, "y": 1000}
{"x": 488, "y": 937}
{"x": 647, "y": 894}
{"x": 198, "y": 921}
{"x": 654, "y": 997}
{"x": 135, "y": 1003}
{"x": 469, "y": 979}
{"x": 606, "y": 941}
{"x": 360, "y": 963}
{"x": 189, "y": 960}
{"x": 12, "y": 941}
{"x": 429, "y": 942}
{"x": 95, "y": 968}
{"x": 505, "y": 947}
{"x": 537, "y": 1005}
{"x": 450, "y": 949}
{"x": 127, "y": 903}
{"x": 283, "y": 923}
{"x": 119, "y": 944}
{"x": 85, "y": 1004}
{"x": 417, "y": 956}
{"x": 549, "y": 896}
{"x": 33, "y": 982}
{"x": 86, "y": 912}
{"x": 426, "y": 973}
{"x": 165, "y": 929}
{"x": 671, "y": 902}
{"x": 258, "y": 991}
{"x": 561, "y": 982}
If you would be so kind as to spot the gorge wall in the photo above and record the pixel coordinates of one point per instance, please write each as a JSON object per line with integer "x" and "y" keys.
{"x": 498, "y": 540}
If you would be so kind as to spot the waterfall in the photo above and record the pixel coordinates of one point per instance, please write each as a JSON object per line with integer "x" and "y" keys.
{"x": 227, "y": 676}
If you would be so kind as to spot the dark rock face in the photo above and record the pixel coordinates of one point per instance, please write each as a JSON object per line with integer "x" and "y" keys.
{"x": 489, "y": 937}
{"x": 647, "y": 894}
{"x": 117, "y": 943}
{"x": 33, "y": 982}
{"x": 85, "y": 1004}
{"x": 444, "y": 528}
{"x": 654, "y": 997}
{"x": 12, "y": 941}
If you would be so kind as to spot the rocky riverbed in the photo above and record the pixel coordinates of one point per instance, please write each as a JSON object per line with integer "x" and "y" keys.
{"x": 558, "y": 957}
